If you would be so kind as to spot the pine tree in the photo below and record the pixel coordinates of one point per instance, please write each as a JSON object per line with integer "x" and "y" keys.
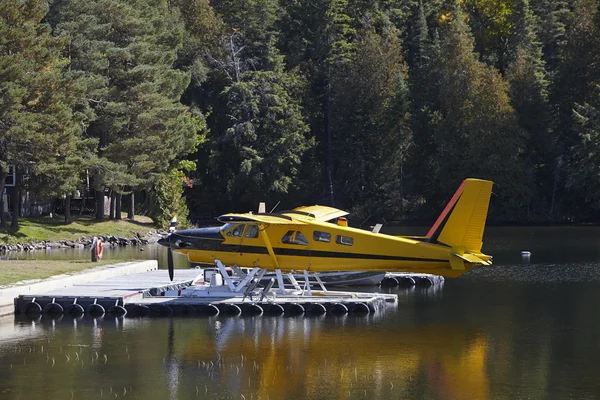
{"x": 371, "y": 116}
{"x": 259, "y": 154}
{"x": 574, "y": 84}
{"x": 128, "y": 49}
{"x": 478, "y": 134}
{"x": 528, "y": 85}
{"x": 553, "y": 17}
{"x": 424, "y": 81}
{"x": 40, "y": 126}
{"x": 582, "y": 172}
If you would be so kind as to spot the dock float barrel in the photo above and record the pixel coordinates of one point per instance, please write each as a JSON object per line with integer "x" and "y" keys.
{"x": 232, "y": 310}
{"x": 53, "y": 309}
{"x": 360, "y": 309}
{"x": 252, "y": 310}
{"x": 389, "y": 281}
{"x": 95, "y": 310}
{"x": 273, "y": 310}
{"x": 338, "y": 309}
{"x": 74, "y": 310}
{"x": 293, "y": 309}
{"x": 315, "y": 309}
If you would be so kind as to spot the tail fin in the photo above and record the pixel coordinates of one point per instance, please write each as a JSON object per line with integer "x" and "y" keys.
{"x": 462, "y": 222}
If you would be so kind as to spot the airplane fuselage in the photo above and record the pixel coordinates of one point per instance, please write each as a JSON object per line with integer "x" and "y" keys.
{"x": 315, "y": 246}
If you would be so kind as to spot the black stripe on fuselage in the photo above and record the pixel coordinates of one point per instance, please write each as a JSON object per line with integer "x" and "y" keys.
{"x": 212, "y": 245}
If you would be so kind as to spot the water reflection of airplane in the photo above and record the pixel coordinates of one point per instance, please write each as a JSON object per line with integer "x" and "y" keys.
{"x": 286, "y": 358}
{"x": 304, "y": 239}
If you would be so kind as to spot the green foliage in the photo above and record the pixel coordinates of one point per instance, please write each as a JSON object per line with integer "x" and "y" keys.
{"x": 478, "y": 134}
{"x": 584, "y": 174}
{"x": 528, "y": 85}
{"x": 260, "y": 152}
{"x": 167, "y": 198}
{"x": 306, "y": 102}
{"x": 127, "y": 51}
{"x": 371, "y": 133}
{"x": 40, "y": 111}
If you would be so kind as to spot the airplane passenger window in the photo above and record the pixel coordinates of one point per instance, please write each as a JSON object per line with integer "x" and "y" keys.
{"x": 319, "y": 236}
{"x": 345, "y": 240}
{"x": 251, "y": 231}
{"x": 294, "y": 237}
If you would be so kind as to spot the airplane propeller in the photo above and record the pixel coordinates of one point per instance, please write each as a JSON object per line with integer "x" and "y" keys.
{"x": 170, "y": 263}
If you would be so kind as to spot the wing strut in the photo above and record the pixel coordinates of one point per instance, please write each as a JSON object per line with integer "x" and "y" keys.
{"x": 265, "y": 238}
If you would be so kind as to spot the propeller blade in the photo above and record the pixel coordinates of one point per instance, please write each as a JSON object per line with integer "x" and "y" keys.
{"x": 170, "y": 263}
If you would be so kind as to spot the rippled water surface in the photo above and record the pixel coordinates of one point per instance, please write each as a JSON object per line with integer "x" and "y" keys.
{"x": 522, "y": 328}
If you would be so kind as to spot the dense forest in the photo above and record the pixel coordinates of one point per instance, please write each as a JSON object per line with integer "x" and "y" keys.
{"x": 379, "y": 107}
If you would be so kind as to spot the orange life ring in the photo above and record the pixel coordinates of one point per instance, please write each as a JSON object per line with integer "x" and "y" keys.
{"x": 99, "y": 249}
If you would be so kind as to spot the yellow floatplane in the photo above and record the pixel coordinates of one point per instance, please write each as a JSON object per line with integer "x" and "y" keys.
{"x": 318, "y": 239}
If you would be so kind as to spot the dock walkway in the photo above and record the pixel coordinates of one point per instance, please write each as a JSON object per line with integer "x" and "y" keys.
{"x": 143, "y": 294}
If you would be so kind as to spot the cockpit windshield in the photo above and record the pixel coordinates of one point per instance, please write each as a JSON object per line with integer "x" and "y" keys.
{"x": 234, "y": 230}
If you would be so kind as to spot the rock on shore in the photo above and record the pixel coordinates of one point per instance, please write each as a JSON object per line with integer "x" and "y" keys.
{"x": 109, "y": 240}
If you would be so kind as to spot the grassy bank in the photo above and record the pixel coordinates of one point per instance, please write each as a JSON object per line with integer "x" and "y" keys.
{"x": 15, "y": 271}
{"x": 53, "y": 229}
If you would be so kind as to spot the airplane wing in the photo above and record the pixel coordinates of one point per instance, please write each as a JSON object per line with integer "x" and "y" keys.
{"x": 262, "y": 218}
{"x": 315, "y": 213}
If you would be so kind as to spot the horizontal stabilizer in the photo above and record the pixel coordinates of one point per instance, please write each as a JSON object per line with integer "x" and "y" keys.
{"x": 472, "y": 258}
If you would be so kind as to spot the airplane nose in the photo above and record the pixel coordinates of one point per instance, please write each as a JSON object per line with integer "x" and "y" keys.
{"x": 164, "y": 241}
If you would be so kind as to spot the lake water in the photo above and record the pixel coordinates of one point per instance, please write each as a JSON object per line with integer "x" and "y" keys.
{"x": 520, "y": 329}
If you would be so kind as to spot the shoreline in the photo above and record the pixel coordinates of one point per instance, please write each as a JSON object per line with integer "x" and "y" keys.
{"x": 84, "y": 242}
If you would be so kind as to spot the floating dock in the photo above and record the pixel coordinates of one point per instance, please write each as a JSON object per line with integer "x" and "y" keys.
{"x": 403, "y": 279}
{"x": 143, "y": 294}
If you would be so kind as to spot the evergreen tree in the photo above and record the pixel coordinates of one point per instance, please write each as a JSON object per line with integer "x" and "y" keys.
{"x": 584, "y": 172}
{"x": 40, "y": 127}
{"x": 371, "y": 116}
{"x": 553, "y": 17}
{"x": 424, "y": 80}
{"x": 576, "y": 78}
{"x": 478, "y": 134}
{"x": 128, "y": 49}
{"x": 259, "y": 154}
{"x": 528, "y": 85}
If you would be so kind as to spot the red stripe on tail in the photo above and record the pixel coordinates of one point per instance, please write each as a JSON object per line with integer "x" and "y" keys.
{"x": 449, "y": 206}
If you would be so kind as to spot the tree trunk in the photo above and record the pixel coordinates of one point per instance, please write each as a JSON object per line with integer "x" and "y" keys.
{"x": 16, "y": 205}
{"x": 83, "y": 196}
{"x": 131, "y": 208}
{"x": 329, "y": 163}
{"x": 146, "y": 209}
{"x": 68, "y": 219}
{"x": 3, "y": 175}
{"x": 118, "y": 206}
{"x": 99, "y": 205}
{"x": 2, "y": 216}
{"x": 111, "y": 212}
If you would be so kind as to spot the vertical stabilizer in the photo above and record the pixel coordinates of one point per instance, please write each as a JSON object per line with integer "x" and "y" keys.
{"x": 462, "y": 222}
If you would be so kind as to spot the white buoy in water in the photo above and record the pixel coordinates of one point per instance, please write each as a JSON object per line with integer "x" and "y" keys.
{"x": 525, "y": 256}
